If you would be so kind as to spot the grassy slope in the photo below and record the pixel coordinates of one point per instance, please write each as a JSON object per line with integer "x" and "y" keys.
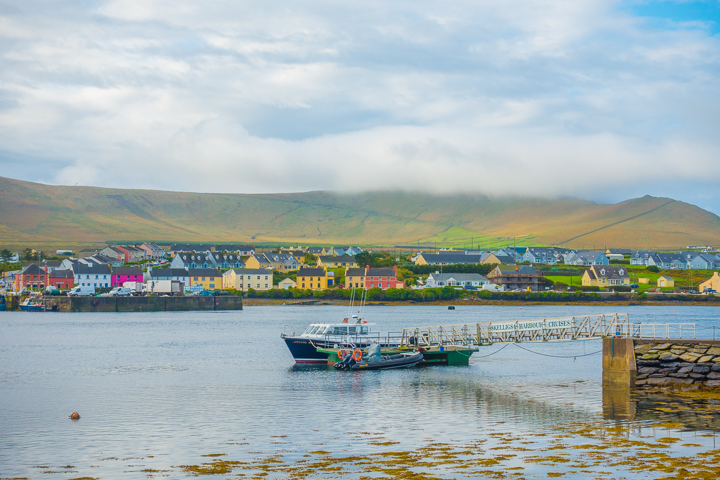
{"x": 51, "y": 215}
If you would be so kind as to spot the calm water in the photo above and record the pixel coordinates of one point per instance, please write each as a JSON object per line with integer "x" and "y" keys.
{"x": 158, "y": 390}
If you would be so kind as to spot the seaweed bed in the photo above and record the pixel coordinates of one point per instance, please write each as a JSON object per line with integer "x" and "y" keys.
{"x": 668, "y": 436}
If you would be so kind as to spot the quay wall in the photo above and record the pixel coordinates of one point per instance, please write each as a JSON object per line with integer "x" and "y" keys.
{"x": 677, "y": 362}
{"x": 142, "y": 304}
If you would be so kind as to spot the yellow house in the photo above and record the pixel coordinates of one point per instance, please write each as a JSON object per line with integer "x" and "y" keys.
{"x": 665, "y": 282}
{"x": 355, "y": 278}
{"x": 209, "y": 278}
{"x": 312, "y": 278}
{"x": 286, "y": 284}
{"x": 245, "y": 278}
{"x": 712, "y": 284}
{"x": 328, "y": 261}
{"x": 606, "y": 276}
{"x": 644, "y": 280}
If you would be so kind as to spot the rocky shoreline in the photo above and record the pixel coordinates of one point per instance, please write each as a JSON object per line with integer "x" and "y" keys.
{"x": 694, "y": 363}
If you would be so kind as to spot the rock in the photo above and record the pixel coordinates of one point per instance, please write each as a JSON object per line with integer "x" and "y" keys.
{"x": 681, "y": 380}
{"x": 647, "y": 370}
{"x": 689, "y": 357}
{"x": 648, "y": 362}
{"x": 679, "y": 375}
{"x": 705, "y": 359}
{"x": 650, "y": 356}
{"x": 75, "y": 415}
{"x": 715, "y": 368}
{"x": 643, "y": 348}
{"x": 667, "y": 357}
{"x": 701, "y": 369}
{"x": 681, "y": 348}
{"x": 698, "y": 376}
{"x": 686, "y": 370}
{"x": 662, "y": 346}
{"x": 699, "y": 350}
{"x": 716, "y": 359}
{"x": 658, "y": 375}
{"x": 656, "y": 381}
{"x": 640, "y": 382}
{"x": 640, "y": 377}
{"x": 713, "y": 351}
{"x": 713, "y": 376}
{"x": 712, "y": 383}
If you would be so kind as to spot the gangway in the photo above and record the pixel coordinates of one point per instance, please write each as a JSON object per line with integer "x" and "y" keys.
{"x": 585, "y": 327}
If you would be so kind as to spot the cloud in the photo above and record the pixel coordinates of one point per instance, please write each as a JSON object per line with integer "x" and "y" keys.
{"x": 551, "y": 98}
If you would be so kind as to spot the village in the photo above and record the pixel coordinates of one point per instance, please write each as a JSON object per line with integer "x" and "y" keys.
{"x": 237, "y": 269}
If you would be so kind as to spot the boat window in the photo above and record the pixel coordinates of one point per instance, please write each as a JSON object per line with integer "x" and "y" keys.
{"x": 309, "y": 330}
{"x": 338, "y": 331}
{"x": 352, "y": 330}
{"x": 363, "y": 330}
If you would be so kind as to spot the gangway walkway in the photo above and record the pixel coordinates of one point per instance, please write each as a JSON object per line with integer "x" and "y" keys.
{"x": 585, "y": 327}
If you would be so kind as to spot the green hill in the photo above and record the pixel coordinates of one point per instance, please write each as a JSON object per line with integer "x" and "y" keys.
{"x": 49, "y": 216}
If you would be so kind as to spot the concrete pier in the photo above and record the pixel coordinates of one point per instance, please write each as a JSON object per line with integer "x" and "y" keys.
{"x": 618, "y": 361}
{"x": 142, "y": 304}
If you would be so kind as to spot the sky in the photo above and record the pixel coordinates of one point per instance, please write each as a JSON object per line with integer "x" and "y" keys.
{"x": 598, "y": 99}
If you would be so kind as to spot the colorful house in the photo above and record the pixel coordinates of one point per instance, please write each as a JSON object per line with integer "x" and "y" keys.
{"x": 712, "y": 284}
{"x": 209, "y": 278}
{"x": 92, "y": 275}
{"x": 665, "y": 282}
{"x": 329, "y": 261}
{"x": 31, "y": 277}
{"x": 312, "y": 278}
{"x": 246, "y": 278}
{"x": 120, "y": 275}
{"x": 61, "y": 279}
{"x": 606, "y": 276}
{"x": 372, "y": 278}
{"x": 287, "y": 284}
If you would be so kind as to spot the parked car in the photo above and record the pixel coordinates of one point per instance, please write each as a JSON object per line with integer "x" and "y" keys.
{"x": 82, "y": 291}
{"x": 120, "y": 292}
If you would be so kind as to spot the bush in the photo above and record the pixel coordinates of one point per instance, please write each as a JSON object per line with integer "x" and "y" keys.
{"x": 652, "y": 268}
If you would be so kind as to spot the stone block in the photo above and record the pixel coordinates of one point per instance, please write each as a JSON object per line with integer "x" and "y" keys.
{"x": 679, "y": 375}
{"x": 658, "y": 375}
{"x": 713, "y": 376}
{"x": 682, "y": 348}
{"x": 640, "y": 377}
{"x": 656, "y": 381}
{"x": 686, "y": 370}
{"x": 712, "y": 383}
{"x": 705, "y": 359}
{"x": 698, "y": 376}
{"x": 714, "y": 351}
{"x": 675, "y": 351}
{"x": 650, "y": 356}
{"x": 701, "y": 369}
{"x": 682, "y": 380}
{"x": 647, "y": 370}
{"x": 648, "y": 362}
{"x": 689, "y": 357}
{"x": 667, "y": 357}
{"x": 699, "y": 350}
{"x": 640, "y": 382}
{"x": 715, "y": 368}
{"x": 662, "y": 346}
{"x": 643, "y": 348}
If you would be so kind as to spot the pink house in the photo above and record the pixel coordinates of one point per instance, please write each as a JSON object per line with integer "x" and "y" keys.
{"x": 121, "y": 275}
{"x": 383, "y": 278}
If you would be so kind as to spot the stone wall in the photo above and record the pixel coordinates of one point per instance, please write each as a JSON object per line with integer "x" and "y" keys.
{"x": 142, "y": 304}
{"x": 677, "y": 362}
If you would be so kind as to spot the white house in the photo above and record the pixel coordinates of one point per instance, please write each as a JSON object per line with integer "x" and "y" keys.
{"x": 93, "y": 275}
{"x": 439, "y": 280}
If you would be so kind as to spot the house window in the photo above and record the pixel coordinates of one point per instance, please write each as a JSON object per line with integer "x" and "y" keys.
{"x": 212, "y": 285}
{"x": 266, "y": 285}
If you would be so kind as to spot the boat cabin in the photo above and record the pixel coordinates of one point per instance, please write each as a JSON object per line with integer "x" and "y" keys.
{"x": 322, "y": 330}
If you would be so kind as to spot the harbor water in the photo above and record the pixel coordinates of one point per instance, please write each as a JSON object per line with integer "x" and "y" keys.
{"x": 162, "y": 394}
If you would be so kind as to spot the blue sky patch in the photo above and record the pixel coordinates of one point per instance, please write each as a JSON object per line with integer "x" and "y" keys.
{"x": 670, "y": 14}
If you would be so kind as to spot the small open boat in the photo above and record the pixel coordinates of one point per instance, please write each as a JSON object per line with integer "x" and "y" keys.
{"x": 32, "y": 305}
{"x": 375, "y": 361}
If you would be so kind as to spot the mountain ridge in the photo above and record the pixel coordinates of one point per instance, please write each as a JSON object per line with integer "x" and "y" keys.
{"x": 32, "y": 213}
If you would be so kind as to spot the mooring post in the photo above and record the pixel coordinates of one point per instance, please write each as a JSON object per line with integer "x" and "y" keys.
{"x": 619, "y": 366}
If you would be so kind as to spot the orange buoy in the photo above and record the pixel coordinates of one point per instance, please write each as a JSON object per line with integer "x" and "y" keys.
{"x": 75, "y": 415}
{"x": 357, "y": 355}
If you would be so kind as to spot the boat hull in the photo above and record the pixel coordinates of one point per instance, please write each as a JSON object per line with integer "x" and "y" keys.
{"x": 304, "y": 350}
{"x": 32, "y": 308}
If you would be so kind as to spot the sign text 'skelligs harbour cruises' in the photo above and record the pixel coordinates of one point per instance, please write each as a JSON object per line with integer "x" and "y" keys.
{"x": 530, "y": 325}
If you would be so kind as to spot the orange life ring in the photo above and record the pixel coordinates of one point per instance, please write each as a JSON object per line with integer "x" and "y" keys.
{"x": 342, "y": 354}
{"x": 357, "y": 355}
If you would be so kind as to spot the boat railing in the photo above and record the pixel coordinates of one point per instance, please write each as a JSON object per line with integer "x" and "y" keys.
{"x": 392, "y": 339}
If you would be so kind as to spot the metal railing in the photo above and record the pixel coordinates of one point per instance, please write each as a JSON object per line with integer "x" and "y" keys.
{"x": 536, "y": 330}
{"x": 664, "y": 330}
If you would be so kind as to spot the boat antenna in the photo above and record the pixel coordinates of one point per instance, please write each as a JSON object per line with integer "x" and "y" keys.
{"x": 352, "y": 301}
